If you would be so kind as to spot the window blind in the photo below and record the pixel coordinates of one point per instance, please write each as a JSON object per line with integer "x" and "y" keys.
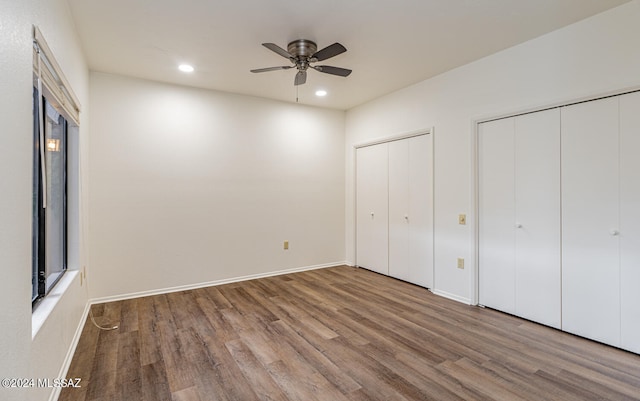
{"x": 56, "y": 86}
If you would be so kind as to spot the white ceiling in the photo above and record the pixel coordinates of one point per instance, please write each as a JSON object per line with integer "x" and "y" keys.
{"x": 391, "y": 43}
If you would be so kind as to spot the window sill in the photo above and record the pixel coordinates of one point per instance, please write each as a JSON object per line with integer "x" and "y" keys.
{"x": 42, "y": 311}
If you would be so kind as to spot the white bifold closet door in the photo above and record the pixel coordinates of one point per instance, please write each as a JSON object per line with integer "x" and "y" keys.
{"x": 399, "y": 209}
{"x": 497, "y": 215}
{"x": 630, "y": 222}
{"x": 372, "y": 208}
{"x": 590, "y": 220}
{"x": 519, "y": 216}
{"x": 601, "y": 220}
{"x": 394, "y": 202}
{"x": 411, "y": 210}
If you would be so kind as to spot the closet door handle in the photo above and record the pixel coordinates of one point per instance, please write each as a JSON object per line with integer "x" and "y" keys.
{"x": 614, "y": 232}
{"x": 406, "y": 217}
{"x": 518, "y": 225}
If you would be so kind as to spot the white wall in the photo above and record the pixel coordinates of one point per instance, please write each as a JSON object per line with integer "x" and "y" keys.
{"x": 191, "y": 186}
{"x": 17, "y": 349}
{"x": 591, "y": 57}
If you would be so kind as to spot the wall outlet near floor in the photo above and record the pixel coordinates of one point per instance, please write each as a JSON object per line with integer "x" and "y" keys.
{"x": 460, "y": 263}
{"x": 286, "y": 245}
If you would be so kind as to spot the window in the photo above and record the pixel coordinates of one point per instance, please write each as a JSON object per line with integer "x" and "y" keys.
{"x": 56, "y": 111}
{"x": 49, "y": 232}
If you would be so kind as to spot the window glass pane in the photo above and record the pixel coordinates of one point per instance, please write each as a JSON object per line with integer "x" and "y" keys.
{"x": 55, "y": 220}
{"x": 36, "y": 200}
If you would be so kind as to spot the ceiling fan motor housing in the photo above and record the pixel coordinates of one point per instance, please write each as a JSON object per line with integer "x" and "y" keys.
{"x": 302, "y": 48}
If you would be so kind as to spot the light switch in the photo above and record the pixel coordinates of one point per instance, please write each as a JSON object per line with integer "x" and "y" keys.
{"x": 460, "y": 263}
{"x": 286, "y": 244}
{"x": 462, "y": 219}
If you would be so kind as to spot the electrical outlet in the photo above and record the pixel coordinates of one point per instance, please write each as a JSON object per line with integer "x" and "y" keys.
{"x": 460, "y": 263}
{"x": 462, "y": 219}
{"x": 286, "y": 245}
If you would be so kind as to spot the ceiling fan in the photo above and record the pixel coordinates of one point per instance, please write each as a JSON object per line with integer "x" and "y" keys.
{"x": 302, "y": 53}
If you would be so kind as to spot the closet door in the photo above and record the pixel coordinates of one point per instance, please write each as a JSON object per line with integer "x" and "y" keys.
{"x": 411, "y": 210}
{"x": 590, "y": 241}
{"x": 399, "y": 219}
{"x": 630, "y": 222}
{"x": 497, "y": 215}
{"x": 372, "y": 208}
{"x": 421, "y": 210}
{"x": 519, "y": 216}
{"x": 537, "y": 213}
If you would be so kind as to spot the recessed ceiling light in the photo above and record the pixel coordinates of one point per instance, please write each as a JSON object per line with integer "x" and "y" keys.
{"x": 185, "y": 68}
{"x": 321, "y": 93}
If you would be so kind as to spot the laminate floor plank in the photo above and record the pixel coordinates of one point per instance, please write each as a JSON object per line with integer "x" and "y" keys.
{"x": 148, "y": 334}
{"x": 316, "y": 358}
{"x": 102, "y": 376}
{"x": 416, "y": 386}
{"x": 129, "y": 316}
{"x": 128, "y": 372}
{"x": 176, "y": 361}
{"x": 432, "y": 373}
{"x": 215, "y": 372}
{"x": 533, "y": 385}
{"x": 335, "y": 334}
{"x": 295, "y": 368}
{"x": 223, "y": 330}
{"x": 155, "y": 384}
{"x": 254, "y": 372}
{"x": 602, "y": 355}
{"x": 188, "y": 394}
{"x": 163, "y": 311}
{"x": 490, "y": 389}
{"x": 83, "y": 358}
{"x": 389, "y": 340}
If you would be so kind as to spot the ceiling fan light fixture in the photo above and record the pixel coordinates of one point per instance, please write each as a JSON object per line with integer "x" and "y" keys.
{"x": 186, "y": 68}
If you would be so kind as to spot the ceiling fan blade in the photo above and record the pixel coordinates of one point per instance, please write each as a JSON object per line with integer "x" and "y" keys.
{"x": 301, "y": 78}
{"x": 284, "y": 67}
{"x": 275, "y": 48}
{"x": 327, "y": 69}
{"x": 329, "y": 51}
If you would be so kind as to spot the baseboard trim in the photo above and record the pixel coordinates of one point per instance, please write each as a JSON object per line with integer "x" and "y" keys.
{"x": 452, "y": 297}
{"x": 70, "y": 352}
{"x": 187, "y": 287}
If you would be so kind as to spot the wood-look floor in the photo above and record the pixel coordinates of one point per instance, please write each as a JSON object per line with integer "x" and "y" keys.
{"x": 335, "y": 334}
